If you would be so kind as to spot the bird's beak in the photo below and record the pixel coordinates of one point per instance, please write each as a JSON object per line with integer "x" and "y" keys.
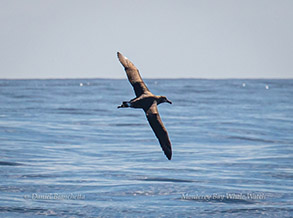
{"x": 170, "y": 102}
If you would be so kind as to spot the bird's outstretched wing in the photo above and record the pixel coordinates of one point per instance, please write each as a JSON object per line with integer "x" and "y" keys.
{"x": 159, "y": 129}
{"x": 133, "y": 76}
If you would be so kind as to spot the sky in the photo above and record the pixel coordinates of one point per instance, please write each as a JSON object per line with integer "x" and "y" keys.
{"x": 163, "y": 38}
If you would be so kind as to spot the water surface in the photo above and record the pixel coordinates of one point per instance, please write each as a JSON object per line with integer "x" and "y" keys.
{"x": 67, "y": 151}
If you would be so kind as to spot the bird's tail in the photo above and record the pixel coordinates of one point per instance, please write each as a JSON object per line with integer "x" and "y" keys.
{"x": 125, "y": 104}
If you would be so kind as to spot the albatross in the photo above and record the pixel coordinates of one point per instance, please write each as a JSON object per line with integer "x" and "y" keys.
{"x": 148, "y": 102}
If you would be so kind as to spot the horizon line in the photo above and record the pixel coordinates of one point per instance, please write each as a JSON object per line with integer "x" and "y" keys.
{"x": 169, "y": 78}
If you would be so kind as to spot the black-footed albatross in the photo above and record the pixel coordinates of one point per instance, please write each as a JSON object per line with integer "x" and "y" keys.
{"x": 148, "y": 102}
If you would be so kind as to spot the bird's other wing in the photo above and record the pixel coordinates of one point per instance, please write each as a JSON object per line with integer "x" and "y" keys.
{"x": 133, "y": 76}
{"x": 159, "y": 129}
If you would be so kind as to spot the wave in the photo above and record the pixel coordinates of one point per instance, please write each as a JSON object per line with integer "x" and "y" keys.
{"x": 161, "y": 179}
{"x": 5, "y": 163}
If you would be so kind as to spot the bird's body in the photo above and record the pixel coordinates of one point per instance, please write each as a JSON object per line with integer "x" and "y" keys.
{"x": 144, "y": 102}
{"x": 148, "y": 102}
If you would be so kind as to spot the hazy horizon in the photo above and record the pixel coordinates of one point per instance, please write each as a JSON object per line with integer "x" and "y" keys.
{"x": 147, "y": 78}
{"x": 201, "y": 39}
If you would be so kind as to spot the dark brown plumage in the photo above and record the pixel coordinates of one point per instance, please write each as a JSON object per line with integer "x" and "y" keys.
{"x": 148, "y": 102}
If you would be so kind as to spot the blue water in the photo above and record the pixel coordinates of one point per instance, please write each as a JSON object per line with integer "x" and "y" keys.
{"x": 67, "y": 151}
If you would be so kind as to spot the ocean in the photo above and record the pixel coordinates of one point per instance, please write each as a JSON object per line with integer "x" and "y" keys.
{"x": 67, "y": 151}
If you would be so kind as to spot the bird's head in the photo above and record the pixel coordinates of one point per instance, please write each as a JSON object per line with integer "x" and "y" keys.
{"x": 163, "y": 99}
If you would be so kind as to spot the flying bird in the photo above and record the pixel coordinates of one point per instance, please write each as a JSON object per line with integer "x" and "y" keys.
{"x": 148, "y": 102}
